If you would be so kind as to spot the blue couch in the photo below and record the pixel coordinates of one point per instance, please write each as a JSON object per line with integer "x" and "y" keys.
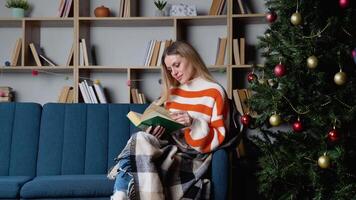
{"x": 63, "y": 151}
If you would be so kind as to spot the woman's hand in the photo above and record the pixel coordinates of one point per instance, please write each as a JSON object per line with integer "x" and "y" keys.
{"x": 182, "y": 117}
{"x": 157, "y": 131}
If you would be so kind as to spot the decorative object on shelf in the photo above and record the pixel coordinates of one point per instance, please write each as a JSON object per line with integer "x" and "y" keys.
{"x": 102, "y": 11}
{"x": 7, "y": 63}
{"x": 34, "y": 72}
{"x": 160, "y": 5}
{"x": 183, "y": 10}
{"x": 18, "y": 7}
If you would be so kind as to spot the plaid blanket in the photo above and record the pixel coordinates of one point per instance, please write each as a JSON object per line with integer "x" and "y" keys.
{"x": 163, "y": 171}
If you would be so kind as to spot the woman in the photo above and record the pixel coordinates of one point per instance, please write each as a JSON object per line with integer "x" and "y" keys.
{"x": 154, "y": 167}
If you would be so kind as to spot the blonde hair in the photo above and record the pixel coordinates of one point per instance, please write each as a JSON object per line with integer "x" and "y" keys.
{"x": 187, "y": 51}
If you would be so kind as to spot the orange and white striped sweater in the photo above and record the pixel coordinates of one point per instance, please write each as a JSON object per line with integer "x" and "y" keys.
{"x": 205, "y": 102}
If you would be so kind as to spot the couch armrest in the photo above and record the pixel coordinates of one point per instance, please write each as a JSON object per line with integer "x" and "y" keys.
{"x": 220, "y": 174}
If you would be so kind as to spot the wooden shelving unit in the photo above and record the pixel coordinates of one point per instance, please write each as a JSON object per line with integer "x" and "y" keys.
{"x": 120, "y": 43}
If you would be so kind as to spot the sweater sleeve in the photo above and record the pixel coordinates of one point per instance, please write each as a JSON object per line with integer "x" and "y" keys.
{"x": 205, "y": 136}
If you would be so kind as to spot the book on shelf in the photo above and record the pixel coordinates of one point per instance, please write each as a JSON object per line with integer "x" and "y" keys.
{"x": 241, "y": 97}
{"x": 242, "y": 50}
{"x": 220, "y": 56}
{"x": 16, "y": 52}
{"x": 70, "y": 97}
{"x": 125, "y": 9}
{"x": 90, "y": 89}
{"x": 214, "y": 8}
{"x": 35, "y": 50}
{"x": 99, "y": 92}
{"x": 236, "y": 50}
{"x": 154, "y": 115}
{"x": 47, "y": 60}
{"x": 6, "y": 94}
{"x": 6, "y": 99}
{"x": 70, "y": 56}
{"x": 84, "y": 92}
{"x": 155, "y": 53}
{"x": 68, "y": 11}
{"x": 5, "y": 91}
{"x": 61, "y": 7}
{"x": 241, "y": 7}
{"x": 164, "y": 45}
{"x": 64, "y": 96}
{"x": 137, "y": 97}
{"x": 134, "y": 95}
{"x": 85, "y": 52}
{"x": 81, "y": 54}
{"x": 221, "y": 7}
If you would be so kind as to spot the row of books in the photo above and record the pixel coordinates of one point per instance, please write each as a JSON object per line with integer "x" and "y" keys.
{"x": 66, "y": 95}
{"x": 65, "y": 8}
{"x": 85, "y": 59}
{"x": 239, "y": 51}
{"x": 137, "y": 97}
{"x": 6, "y": 94}
{"x": 242, "y": 7}
{"x": 217, "y": 7}
{"x": 155, "y": 51}
{"x": 124, "y": 10}
{"x": 92, "y": 92}
{"x": 221, "y": 51}
{"x": 37, "y": 54}
{"x": 241, "y": 97}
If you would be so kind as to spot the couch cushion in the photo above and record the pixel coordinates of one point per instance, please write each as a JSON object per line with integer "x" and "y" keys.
{"x": 10, "y": 185}
{"x": 68, "y": 186}
{"x": 19, "y": 132}
{"x": 82, "y": 138}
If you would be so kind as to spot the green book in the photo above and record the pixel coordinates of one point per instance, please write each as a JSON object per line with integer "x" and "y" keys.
{"x": 153, "y": 116}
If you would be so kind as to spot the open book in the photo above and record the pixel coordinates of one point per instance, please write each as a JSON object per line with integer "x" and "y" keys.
{"x": 153, "y": 116}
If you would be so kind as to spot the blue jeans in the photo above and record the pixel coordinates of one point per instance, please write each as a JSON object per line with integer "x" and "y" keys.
{"x": 124, "y": 176}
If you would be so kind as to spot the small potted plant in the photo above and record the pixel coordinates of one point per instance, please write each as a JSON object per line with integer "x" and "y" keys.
{"x": 160, "y": 5}
{"x": 18, "y": 7}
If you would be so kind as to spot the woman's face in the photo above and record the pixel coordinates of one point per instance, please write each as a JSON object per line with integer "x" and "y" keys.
{"x": 180, "y": 68}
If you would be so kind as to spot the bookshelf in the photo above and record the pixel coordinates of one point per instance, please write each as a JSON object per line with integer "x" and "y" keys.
{"x": 119, "y": 45}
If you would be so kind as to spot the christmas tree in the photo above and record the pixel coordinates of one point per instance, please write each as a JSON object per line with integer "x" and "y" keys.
{"x": 305, "y": 101}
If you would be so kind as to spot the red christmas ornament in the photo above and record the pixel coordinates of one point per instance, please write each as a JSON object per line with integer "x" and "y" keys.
{"x": 251, "y": 77}
{"x": 271, "y": 17}
{"x": 333, "y": 135}
{"x": 298, "y": 126}
{"x": 2, "y": 94}
{"x": 245, "y": 119}
{"x": 280, "y": 70}
{"x": 344, "y": 3}
{"x": 34, "y": 72}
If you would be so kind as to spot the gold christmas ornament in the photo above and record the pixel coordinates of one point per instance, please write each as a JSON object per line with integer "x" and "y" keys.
{"x": 262, "y": 81}
{"x": 275, "y": 120}
{"x": 312, "y": 62}
{"x": 340, "y": 78}
{"x": 296, "y": 18}
{"x": 324, "y": 161}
